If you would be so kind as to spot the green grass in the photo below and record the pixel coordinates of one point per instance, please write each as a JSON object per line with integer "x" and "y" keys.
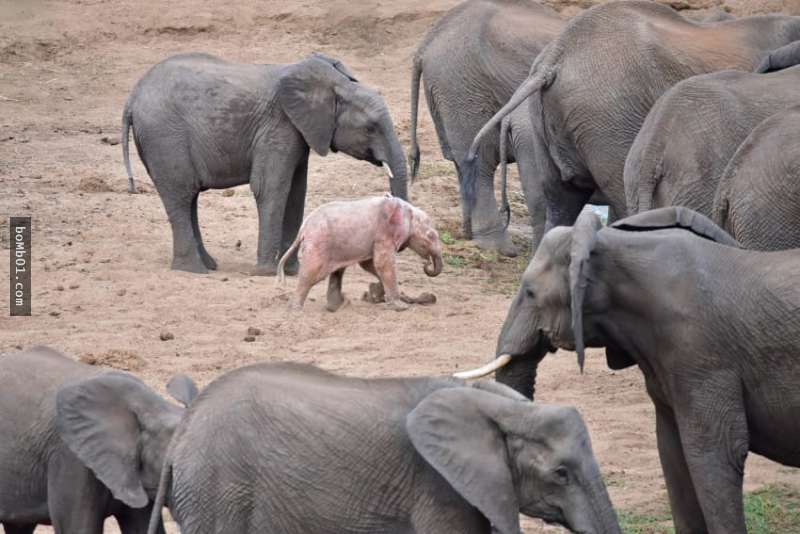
{"x": 772, "y": 509}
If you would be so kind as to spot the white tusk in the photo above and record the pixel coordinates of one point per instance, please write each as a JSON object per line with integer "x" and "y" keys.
{"x": 487, "y": 369}
{"x": 388, "y": 170}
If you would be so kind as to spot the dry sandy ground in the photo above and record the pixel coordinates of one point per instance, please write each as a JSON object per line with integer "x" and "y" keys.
{"x": 101, "y": 257}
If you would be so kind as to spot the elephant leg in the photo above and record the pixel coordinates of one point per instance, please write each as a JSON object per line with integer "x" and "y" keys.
{"x": 18, "y": 529}
{"x": 271, "y": 183}
{"x": 136, "y": 521}
{"x": 77, "y": 501}
{"x": 293, "y": 217}
{"x": 530, "y": 176}
{"x": 185, "y": 249}
{"x": 686, "y": 512}
{"x": 564, "y": 203}
{"x": 311, "y": 272}
{"x": 386, "y": 270}
{"x": 208, "y": 261}
{"x": 488, "y": 227}
{"x": 713, "y": 431}
{"x": 335, "y": 297}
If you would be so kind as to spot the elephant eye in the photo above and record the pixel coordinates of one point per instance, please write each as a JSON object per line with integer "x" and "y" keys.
{"x": 562, "y": 475}
{"x": 529, "y": 293}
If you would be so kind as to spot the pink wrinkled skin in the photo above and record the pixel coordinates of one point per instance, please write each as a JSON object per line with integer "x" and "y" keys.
{"x": 369, "y": 232}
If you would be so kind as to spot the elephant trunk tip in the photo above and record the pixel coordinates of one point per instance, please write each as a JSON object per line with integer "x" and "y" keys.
{"x": 436, "y": 270}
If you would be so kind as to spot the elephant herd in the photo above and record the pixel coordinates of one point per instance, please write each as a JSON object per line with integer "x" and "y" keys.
{"x": 689, "y": 131}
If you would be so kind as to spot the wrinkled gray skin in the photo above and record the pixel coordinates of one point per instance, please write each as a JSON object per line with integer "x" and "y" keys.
{"x": 693, "y": 131}
{"x": 470, "y": 63}
{"x": 293, "y": 449}
{"x": 591, "y": 88}
{"x": 758, "y": 198}
{"x": 203, "y": 123}
{"x": 78, "y": 444}
{"x": 713, "y": 328}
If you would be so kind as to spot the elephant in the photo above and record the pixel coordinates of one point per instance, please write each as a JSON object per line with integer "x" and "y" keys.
{"x": 692, "y": 132}
{"x": 783, "y": 57}
{"x": 591, "y": 88}
{"x": 758, "y": 197}
{"x": 200, "y": 122}
{"x": 470, "y": 63}
{"x": 713, "y": 328}
{"x": 291, "y": 448}
{"x": 79, "y": 444}
{"x": 370, "y": 232}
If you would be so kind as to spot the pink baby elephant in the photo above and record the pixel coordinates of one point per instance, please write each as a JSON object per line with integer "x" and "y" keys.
{"x": 368, "y": 232}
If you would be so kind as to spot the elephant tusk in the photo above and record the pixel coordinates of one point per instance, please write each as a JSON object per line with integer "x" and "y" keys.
{"x": 487, "y": 369}
{"x": 388, "y": 170}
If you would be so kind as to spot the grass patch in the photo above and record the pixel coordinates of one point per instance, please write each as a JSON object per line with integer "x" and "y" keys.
{"x": 435, "y": 168}
{"x": 770, "y": 510}
{"x": 773, "y": 508}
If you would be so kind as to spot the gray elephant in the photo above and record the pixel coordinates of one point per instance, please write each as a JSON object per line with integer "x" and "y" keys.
{"x": 692, "y": 132}
{"x": 594, "y": 85}
{"x": 79, "y": 444}
{"x": 203, "y": 123}
{"x": 782, "y": 58}
{"x": 758, "y": 197}
{"x": 291, "y": 448}
{"x": 712, "y": 327}
{"x": 470, "y": 63}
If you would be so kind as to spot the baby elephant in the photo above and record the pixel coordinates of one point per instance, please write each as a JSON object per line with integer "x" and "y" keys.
{"x": 368, "y": 232}
{"x": 289, "y": 448}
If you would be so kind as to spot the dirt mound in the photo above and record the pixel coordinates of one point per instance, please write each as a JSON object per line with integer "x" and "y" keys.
{"x": 94, "y": 184}
{"x": 30, "y": 50}
{"x": 188, "y": 30}
{"x": 116, "y": 359}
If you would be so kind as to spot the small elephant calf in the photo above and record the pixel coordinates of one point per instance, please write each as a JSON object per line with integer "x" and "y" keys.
{"x": 368, "y": 232}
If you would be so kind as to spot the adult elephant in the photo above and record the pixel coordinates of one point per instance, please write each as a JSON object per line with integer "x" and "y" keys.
{"x": 758, "y": 197}
{"x": 712, "y": 327}
{"x": 293, "y": 449}
{"x": 590, "y": 90}
{"x": 470, "y": 63}
{"x": 693, "y": 131}
{"x": 79, "y": 444}
{"x": 202, "y": 123}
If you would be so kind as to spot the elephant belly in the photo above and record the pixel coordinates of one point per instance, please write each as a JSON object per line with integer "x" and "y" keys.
{"x": 774, "y": 428}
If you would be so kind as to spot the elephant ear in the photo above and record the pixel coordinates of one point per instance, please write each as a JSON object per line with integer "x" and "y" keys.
{"x": 182, "y": 389}
{"x": 455, "y": 432}
{"x": 399, "y": 220}
{"x": 306, "y": 94}
{"x": 676, "y": 217}
{"x": 98, "y": 419}
{"x": 780, "y": 58}
{"x": 584, "y": 236}
{"x": 336, "y": 64}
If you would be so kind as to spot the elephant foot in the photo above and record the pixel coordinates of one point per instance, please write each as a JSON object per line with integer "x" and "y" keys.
{"x": 397, "y": 305}
{"x": 190, "y": 265}
{"x": 501, "y": 243}
{"x": 375, "y": 295}
{"x": 335, "y": 304}
{"x": 265, "y": 269}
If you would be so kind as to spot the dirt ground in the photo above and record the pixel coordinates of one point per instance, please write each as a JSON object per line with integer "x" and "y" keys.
{"x": 102, "y": 285}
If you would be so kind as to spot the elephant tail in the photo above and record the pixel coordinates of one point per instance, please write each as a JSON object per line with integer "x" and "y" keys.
{"x": 127, "y": 122}
{"x": 161, "y": 497}
{"x": 413, "y": 154}
{"x": 505, "y": 209}
{"x": 289, "y": 251}
{"x": 541, "y": 78}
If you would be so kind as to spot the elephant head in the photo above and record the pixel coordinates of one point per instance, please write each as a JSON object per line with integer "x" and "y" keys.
{"x": 555, "y": 295}
{"x": 333, "y": 111}
{"x": 120, "y": 428}
{"x": 424, "y": 240}
{"x": 506, "y": 455}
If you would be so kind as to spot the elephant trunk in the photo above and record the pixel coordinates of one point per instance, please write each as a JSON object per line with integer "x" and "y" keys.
{"x": 437, "y": 265}
{"x": 599, "y": 516}
{"x": 396, "y": 169}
